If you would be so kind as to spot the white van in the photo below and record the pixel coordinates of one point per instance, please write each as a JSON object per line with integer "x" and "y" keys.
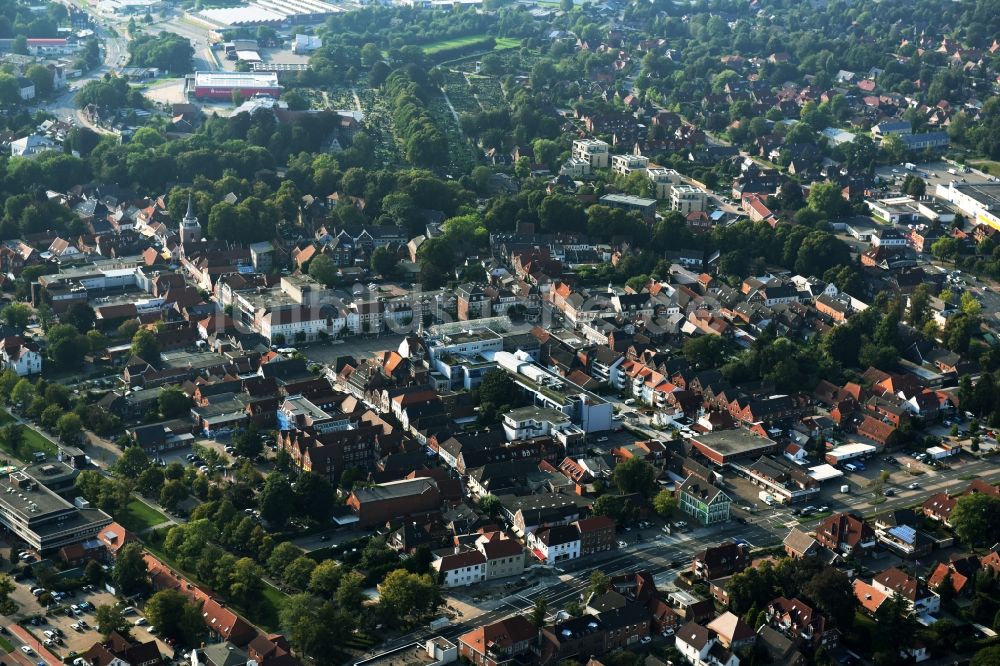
{"x": 850, "y": 468}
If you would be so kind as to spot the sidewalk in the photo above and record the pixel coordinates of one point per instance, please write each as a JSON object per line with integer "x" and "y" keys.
{"x": 25, "y": 637}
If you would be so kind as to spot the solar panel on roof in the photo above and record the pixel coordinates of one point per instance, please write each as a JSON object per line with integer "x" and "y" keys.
{"x": 904, "y": 533}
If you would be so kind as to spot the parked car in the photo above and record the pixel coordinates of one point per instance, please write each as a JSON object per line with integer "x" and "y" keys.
{"x": 140, "y": 622}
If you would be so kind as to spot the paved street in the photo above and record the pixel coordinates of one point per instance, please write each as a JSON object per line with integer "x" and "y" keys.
{"x": 655, "y": 555}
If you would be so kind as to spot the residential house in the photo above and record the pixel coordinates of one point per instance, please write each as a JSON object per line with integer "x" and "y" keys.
{"x": 20, "y": 355}
{"x": 555, "y": 544}
{"x": 725, "y": 559}
{"x": 845, "y": 533}
{"x": 799, "y": 621}
{"x": 460, "y": 569}
{"x": 895, "y": 581}
{"x": 701, "y": 647}
{"x": 597, "y": 535}
{"x": 500, "y": 643}
{"x": 703, "y": 501}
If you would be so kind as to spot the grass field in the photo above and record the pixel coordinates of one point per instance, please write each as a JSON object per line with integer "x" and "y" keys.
{"x": 986, "y": 165}
{"x": 33, "y": 441}
{"x": 140, "y": 516}
{"x": 501, "y": 43}
{"x": 36, "y": 441}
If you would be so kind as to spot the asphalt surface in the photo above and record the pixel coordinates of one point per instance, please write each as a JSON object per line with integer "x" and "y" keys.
{"x": 656, "y": 554}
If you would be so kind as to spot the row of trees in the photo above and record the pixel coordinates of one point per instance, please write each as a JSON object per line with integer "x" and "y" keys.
{"x": 424, "y": 144}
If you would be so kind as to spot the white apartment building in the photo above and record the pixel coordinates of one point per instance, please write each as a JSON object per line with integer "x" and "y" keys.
{"x": 557, "y": 543}
{"x": 528, "y": 422}
{"x": 592, "y": 150}
{"x": 461, "y": 569}
{"x": 623, "y": 165}
{"x": 663, "y": 179}
{"x": 687, "y": 199}
{"x": 295, "y": 324}
{"x": 575, "y": 167}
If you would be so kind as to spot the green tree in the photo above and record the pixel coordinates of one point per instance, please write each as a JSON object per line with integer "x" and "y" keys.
{"x": 600, "y": 583}
{"x": 282, "y": 556}
{"x": 497, "y": 388}
{"x": 150, "y": 481}
{"x": 172, "y": 401}
{"x": 129, "y": 573}
{"x": 665, "y": 503}
{"x": 945, "y": 247}
{"x": 325, "y": 578}
{"x": 634, "y": 475}
{"x": 490, "y": 505}
{"x": 920, "y": 301}
{"x": 69, "y": 427}
{"x": 970, "y": 305}
{"x": 324, "y": 270}
{"x": 298, "y": 613}
{"x": 351, "y": 592}
{"x": 16, "y": 315}
{"x": 988, "y": 656}
{"x": 41, "y": 76}
{"x": 539, "y": 612}
{"x": 274, "y": 505}
{"x": 383, "y": 261}
{"x": 111, "y": 618}
{"x": 93, "y": 573}
{"x": 826, "y": 199}
{"x": 914, "y": 186}
{"x": 299, "y": 573}
{"x": 173, "y": 493}
{"x": 173, "y": 615}
{"x": 246, "y": 583}
{"x": 707, "y": 351}
{"x": 976, "y": 519}
{"x": 80, "y": 316}
{"x": 65, "y": 343}
{"x": 247, "y": 442}
{"x": 313, "y": 497}
{"x": 132, "y": 463}
{"x": 146, "y": 346}
{"x": 23, "y": 392}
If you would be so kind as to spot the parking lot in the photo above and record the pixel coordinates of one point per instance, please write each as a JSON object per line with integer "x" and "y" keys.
{"x": 933, "y": 172}
{"x": 76, "y": 632}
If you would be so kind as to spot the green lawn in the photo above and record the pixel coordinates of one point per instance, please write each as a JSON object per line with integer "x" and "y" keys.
{"x": 6, "y": 644}
{"x": 33, "y": 441}
{"x": 267, "y": 616}
{"x": 991, "y": 166}
{"x": 140, "y": 516}
{"x": 501, "y": 43}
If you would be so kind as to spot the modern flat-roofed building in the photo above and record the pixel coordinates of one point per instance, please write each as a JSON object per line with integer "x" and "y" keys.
{"x": 222, "y": 85}
{"x": 626, "y": 164}
{"x": 726, "y": 446}
{"x": 592, "y": 150}
{"x": 645, "y": 207}
{"x": 980, "y": 201}
{"x": 687, "y": 199}
{"x": 42, "y": 519}
{"x": 663, "y": 179}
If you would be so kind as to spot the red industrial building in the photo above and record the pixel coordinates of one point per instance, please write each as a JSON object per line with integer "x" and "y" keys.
{"x": 222, "y": 85}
